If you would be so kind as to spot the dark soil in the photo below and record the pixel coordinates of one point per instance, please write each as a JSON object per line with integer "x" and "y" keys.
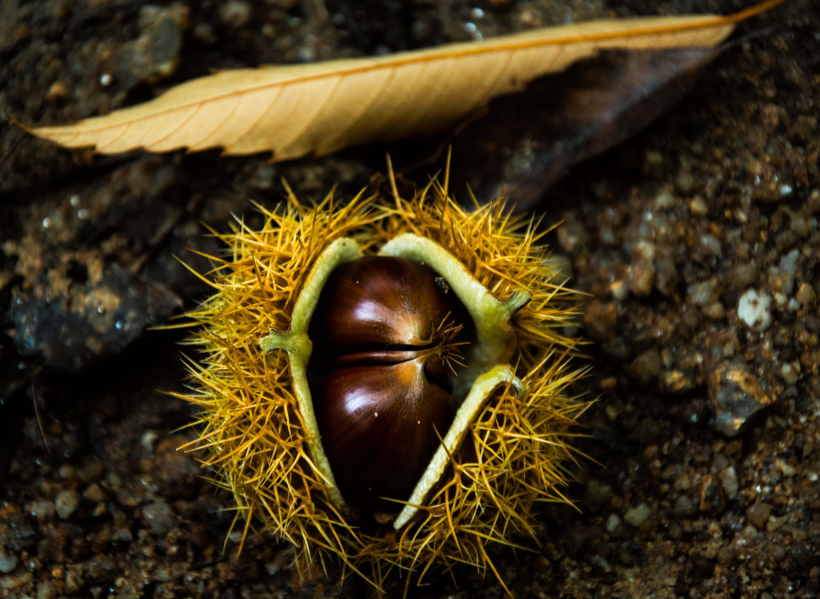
{"x": 697, "y": 240}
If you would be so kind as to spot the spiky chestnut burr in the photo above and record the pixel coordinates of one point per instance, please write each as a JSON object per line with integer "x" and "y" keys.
{"x": 260, "y": 430}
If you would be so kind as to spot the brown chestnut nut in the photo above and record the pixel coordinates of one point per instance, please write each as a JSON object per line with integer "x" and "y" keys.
{"x": 381, "y": 374}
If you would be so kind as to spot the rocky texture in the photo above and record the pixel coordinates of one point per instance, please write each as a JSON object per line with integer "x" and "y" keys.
{"x": 91, "y": 321}
{"x": 667, "y": 234}
{"x": 154, "y": 55}
{"x": 736, "y": 397}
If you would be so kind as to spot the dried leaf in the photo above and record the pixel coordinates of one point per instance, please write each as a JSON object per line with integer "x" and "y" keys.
{"x": 319, "y": 108}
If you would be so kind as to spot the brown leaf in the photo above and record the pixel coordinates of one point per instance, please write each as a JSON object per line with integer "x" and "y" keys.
{"x": 532, "y": 139}
{"x": 319, "y": 108}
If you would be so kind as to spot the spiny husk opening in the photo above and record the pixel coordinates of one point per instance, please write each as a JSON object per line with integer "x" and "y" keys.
{"x": 254, "y": 439}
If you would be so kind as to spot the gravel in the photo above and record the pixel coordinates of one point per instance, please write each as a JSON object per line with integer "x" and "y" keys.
{"x": 759, "y": 514}
{"x": 754, "y": 308}
{"x": 737, "y": 397}
{"x": 697, "y": 243}
{"x": 66, "y": 503}
{"x": 8, "y": 562}
{"x": 638, "y": 515}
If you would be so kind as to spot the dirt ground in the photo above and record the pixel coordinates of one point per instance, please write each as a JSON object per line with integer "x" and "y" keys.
{"x": 697, "y": 240}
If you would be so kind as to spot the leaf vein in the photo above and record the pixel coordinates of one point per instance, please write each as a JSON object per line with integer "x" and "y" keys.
{"x": 176, "y": 127}
{"x": 216, "y": 127}
{"x": 227, "y": 146}
{"x": 365, "y": 107}
{"x": 311, "y": 119}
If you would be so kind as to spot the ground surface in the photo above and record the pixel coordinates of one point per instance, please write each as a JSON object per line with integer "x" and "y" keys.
{"x": 698, "y": 241}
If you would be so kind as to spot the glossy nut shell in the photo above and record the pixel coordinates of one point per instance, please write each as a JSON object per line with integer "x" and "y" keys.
{"x": 382, "y": 392}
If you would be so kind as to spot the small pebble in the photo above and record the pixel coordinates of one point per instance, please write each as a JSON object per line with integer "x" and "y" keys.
{"x": 647, "y": 367}
{"x": 728, "y": 478}
{"x": 800, "y": 226}
{"x": 205, "y": 33}
{"x": 8, "y": 562}
{"x": 45, "y": 590}
{"x": 597, "y": 492}
{"x": 653, "y": 163}
{"x": 91, "y": 472}
{"x": 736, "y": 397}
{"x": 66, "y": 502}
{"x": 712, "y": 499}
{"x": 685, "y": 506}
{"x": 264, "y": 177}
{"x": 67, "y": 472}
{"x": 306, "y": 54}
{"x": 805, "y": 294}
{"x": 638, "y": 515}
{"x": 726, "y": 555}
{"x": 676, "y": 381}
{"x": 710, "y": 245}
{"x": 560, "y": 264}
{"x": 57, "y": 91}
{"x": 641, "y": 278}
{"x": 686, "y": 182}
{"x": 124, "y": 535}
{"x": 600, "y": 320}
{"x": 601, "y": 563}
{"x": 642, "y": 269}
{"x": 665, "y": 200}
{"x": 666, "y": 275}
{"x": 785, "y": 468}
{"x": 94, "y": 493}
{"x": 790, "y": 372}
{"x": 235, "y": 14}
{"x": 742, "y": 275}
{"x": 609, "y": 383}
{"x": 705, "y": 293}
{"x": 618, "y": 291}
{"x": 754, "y": 308}
{"x": 159, "y": 517}
{"x": 790, "y": 263}
{"x": 758, "y": 514}
{"x": 42, "y": 509}
{"x": 617, "y": 349}
{"x": 714, "y": 311}
{"x": 698, "y": 207}
{"x": 613, "y": 523}
{"x": 149, "y": 440}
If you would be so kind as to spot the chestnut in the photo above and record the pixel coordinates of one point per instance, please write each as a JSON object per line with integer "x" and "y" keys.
{"x": 386, "y": 332}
